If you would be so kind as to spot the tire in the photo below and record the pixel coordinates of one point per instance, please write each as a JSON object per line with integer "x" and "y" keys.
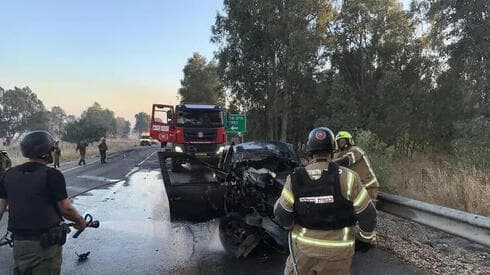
{"x": 232, "y": 232}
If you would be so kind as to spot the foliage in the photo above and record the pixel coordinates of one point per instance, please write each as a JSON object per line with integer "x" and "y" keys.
{"x": 471, "y": 147}
{"x": 20, "y": 111}
{"x": 94, "y": 124}
{"x": 409, "y": 76}
{"x": 123, "y": 127}
{"x": 379, "y": 155}
{"x": 142, "y": 122}
{"x": 201, "y": 83}
{"x": 57, "y": 119}
{"x": 268, "y": 53}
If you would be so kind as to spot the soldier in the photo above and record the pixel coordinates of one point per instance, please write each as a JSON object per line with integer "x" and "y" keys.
{"x": 103, "y": 151}
{"x": 355, "y": 158}
{"x": 37, "y": 199}
{"x": 82, "y": 148}
{"x": 320, "y": 204}
{"x": 5, "y": 162}
{"x": 57, "y": 154}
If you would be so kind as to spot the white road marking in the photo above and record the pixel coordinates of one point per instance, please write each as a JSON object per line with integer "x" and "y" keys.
{"x": 76, "y": 167}
{"x": 103, "y": 179}
{"x": 139, "y": 164}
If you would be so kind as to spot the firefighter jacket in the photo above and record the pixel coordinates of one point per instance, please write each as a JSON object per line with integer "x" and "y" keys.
{"x": 356, "y": 159}
{"x": 334, "y": 244}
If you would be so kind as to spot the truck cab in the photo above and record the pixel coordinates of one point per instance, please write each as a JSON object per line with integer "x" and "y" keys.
{"x": 195, "y": 129}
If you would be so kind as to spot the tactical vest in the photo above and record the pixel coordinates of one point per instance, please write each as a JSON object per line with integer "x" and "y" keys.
{"x": 31, "y": 207}
{"x": 319, "y": 204}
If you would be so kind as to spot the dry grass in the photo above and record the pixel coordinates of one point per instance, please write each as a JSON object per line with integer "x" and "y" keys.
{"x": 434, "y": 180}
{"x": 68, "y": 152}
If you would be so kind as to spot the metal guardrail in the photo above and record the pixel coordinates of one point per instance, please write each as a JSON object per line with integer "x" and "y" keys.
{"x": 466, "y": 225}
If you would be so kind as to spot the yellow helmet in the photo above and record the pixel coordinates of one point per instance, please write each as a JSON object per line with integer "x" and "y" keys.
{"x": 344, "y": 134}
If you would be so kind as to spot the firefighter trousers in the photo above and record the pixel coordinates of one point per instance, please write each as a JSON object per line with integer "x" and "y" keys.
{"x": 317, "y": 265}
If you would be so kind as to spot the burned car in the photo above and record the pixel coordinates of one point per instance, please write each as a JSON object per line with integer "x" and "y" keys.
{"x": 240, "y": 191}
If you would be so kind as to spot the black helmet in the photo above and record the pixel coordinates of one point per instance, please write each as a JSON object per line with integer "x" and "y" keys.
{"x": 321, "y": 139}
{"x": 37, "y": 145}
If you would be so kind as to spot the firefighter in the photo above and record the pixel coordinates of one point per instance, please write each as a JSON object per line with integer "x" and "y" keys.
{"x": 57, "y": 154}
{"x": 355, "y": 158}
{"x": 37, "y": 199}
{"x": 5, "y": 162}
{"x": 82, "y": 148}
{"x": 321, "y": 204}
{"x": 103, "y": 151}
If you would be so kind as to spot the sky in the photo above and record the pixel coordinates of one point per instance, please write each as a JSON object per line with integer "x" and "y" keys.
{"x": 126, "y": 55}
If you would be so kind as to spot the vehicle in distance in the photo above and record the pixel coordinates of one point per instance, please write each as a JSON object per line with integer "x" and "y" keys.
{"x": 145, "y": 140}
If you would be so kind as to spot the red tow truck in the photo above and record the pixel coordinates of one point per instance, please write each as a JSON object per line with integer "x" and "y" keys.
{"x": 192, "y": 128}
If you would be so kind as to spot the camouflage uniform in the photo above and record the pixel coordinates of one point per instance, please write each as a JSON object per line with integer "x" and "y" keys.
{"x": 82, "y": 148}
{"x": 57, "y": 154}
{"x": 103, "y": 151}
{"x": 5, "y": 162}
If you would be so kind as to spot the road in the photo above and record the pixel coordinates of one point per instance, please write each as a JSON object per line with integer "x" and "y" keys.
{"x": 136, "y": 237}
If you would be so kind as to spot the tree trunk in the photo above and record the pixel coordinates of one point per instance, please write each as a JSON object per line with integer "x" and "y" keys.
{"x": 285, "y": 115}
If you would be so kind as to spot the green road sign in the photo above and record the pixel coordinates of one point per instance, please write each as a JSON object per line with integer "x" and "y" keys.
{"x": 236, "y": 123}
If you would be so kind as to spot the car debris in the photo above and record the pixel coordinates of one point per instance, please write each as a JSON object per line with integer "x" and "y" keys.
{"x": 246, "y": 183}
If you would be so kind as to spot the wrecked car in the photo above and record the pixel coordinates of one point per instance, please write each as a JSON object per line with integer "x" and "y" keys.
{"x": 240, "y": 191}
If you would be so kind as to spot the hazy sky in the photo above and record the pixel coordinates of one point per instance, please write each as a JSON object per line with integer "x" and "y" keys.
{"x": 125, "y": 55}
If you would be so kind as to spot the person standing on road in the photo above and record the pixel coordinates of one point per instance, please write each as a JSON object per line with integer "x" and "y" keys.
{"x": 82, "y": 148}
{"x": 355, "y": 158}
{"x": 5, "y": 162}
{"x": 321, "y": 204}
{"x": 38, "y": 201}
{"x": 57, "y": 154}
{"x": 103, "y": 151}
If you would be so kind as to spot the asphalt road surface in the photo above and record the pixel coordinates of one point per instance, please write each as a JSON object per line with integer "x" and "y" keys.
{"x": 127, "y": 195}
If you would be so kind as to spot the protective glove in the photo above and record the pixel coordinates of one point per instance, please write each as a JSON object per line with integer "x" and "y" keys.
{"x": 363, "y": 247}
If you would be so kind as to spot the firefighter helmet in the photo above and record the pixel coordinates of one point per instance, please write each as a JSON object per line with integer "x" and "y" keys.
{"x": 37, "y": 145}
{"x": 321, "y": 140}
{"x": 346, "y": 135}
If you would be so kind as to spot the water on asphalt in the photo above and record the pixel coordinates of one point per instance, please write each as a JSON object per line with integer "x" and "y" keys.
{"x": 136, "y": 237}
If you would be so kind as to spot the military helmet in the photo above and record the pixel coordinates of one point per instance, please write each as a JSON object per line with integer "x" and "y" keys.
{"x": 321, "y": 140}
{"x": 37, "y": 144}
{"x": 346, "y": 135}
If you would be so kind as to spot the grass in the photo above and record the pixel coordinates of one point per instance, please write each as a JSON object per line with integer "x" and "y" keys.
{"x": 460, "y": 180}
{"x": 433, "y": 179}
{"x": 68, "y": 152}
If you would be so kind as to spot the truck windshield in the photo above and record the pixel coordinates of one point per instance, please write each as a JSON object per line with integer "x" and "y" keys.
{"x": 199, "y": 118}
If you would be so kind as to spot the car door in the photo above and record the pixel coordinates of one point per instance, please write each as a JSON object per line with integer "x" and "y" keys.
{"x": 194, "y": 196}
{"x": 162, "y": 123}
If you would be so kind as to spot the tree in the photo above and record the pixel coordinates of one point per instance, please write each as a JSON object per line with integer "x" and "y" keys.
{"x": 142, "y": 122}
{"x": 201, "y": 82}
{"x": 94, "y": 123}
{"x": 57, "y": 118}
{"x": 123, "y": 127}
{"x": 21, "y": 110}
{"x": 268, "y": 55}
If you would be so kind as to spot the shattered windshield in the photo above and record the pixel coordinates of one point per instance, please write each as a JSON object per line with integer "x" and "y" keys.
{"x": 261, "y": 149}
